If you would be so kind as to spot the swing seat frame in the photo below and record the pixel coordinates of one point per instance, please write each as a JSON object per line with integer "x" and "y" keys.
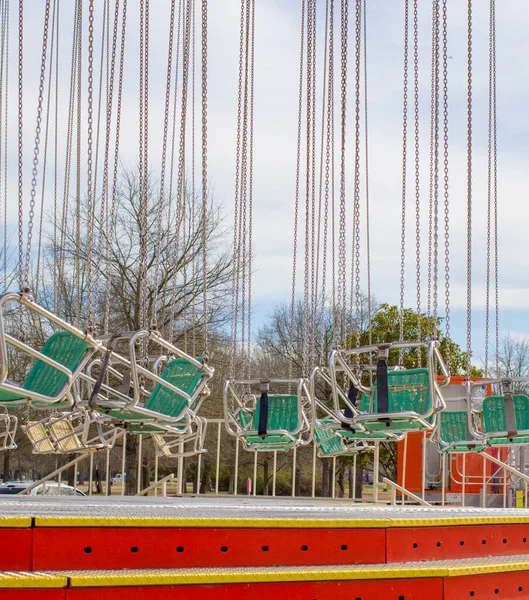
{"x": 242, "y": 413}
{"x": 134, "y": 412}
{"x": 45, "y": 367}
{"x": 173, "y": 445}
{"x": 453, "y": 432}
{"x": 504, "y": 417}
{"x": 69, "y": 433}
{"x": 8, "y": 431}
{"x": 366, "y": 413}
{"x": 349, "y": 439}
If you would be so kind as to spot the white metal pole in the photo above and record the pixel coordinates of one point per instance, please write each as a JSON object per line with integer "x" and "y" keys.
{"x": 181, "y": 483}
{"x": 484, "y": 488}
{"x": 294, "y": 464}
{"x": 219, "y": 429}
{"x": 463, "y": 488}
{"x": 138, "y": 478}
{"x": 404, "y": 461}
{"x": 274, "y": 475}
{"x": 314, "y": 450}
{"x": 333, "y": 495}
{"x": 123, "y": 457}
{"x": 354, "y": 477}
{"x": 423, "y": 478}
{"x": 156, "y": 472}
{"x": 236, "y": 482}
{"x": 443, "y": 478}
{"x": 90, "y": 479}
{"x": 199, "y": 473}
{"x": 254, "y": 491}
{"x": 107, "y": 473}
{"x": 375, "y": 472}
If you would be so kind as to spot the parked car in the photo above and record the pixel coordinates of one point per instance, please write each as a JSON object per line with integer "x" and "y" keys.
{"x": 118, "y": 478}
{"x": 50, "y": 488}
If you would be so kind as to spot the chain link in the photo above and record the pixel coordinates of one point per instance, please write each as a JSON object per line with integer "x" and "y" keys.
{"x": 417, "y": 174}
{"x": 446, "y": 182}
{"x": 21, "y": 275}
{"x": 205, "y": 170}
{"x": 355, "y": 259}
{"x": 404, "y": 175}
{"x": 469, "y": 194}
{"x": 90, "y": 190}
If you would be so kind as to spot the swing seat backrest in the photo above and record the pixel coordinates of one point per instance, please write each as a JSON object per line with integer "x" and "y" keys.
{"x": 183, "y": 375}
{"x": 328, "y": 442}
{"x": 409, "y": 390}
{"x": 63, "y": 347}
{"x": 494, "y": 418}
{"x": 454, "y": 427}
{"x": 283, "y": 413}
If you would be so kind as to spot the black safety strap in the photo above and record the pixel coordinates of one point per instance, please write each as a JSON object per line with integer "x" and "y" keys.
{"x": 125, "y": 384}
{"x": 382, "y": 386}
{"x": 102, "y": 372}
{"x": 352, "y": 396}
{"x": 510, "y": 414}
{"x": 263, "y": 412}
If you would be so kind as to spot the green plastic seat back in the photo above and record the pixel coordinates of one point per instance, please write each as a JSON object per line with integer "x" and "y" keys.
{"x": 494, "y": 419}
{"x": 454, "y": 426}
{"x": 183, "y": 375}
{"x": 244, "y": 418}
{"x": 282, "y": 413}
{"x": 329, "y": 443}
{"x": 409, "y": 390}
{"x": 63, "y": 347}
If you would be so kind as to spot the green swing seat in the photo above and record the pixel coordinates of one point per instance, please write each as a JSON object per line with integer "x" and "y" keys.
{"x": 283, "y": 415}
{"x": 162, "y": 401}
{"x": 336, "y": 443}
{"x": 495, "y": 420}
{"x": 408, "y": 391}
{"x": 453, "y": 433}
{"x": 44, "y": 379}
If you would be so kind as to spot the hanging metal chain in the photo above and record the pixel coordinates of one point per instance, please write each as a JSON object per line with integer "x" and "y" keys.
{"x": 4, "y": 81}
{"x": 161, "y": 202}
{"x": 404, "y": 175}
{"x": 205, "y": 171}
{"x": 417, "y": 174}
{"x": 366, "y": 144}
{"x": 21, "y": 275}
{"x": 296, "y": 195}
{"x": 250, "y": 189}
{"x": 36, "y": 150}
{"x": 90, "y": 190}
{"x": 113, "y": 210}
{"x": 469, "y": 194}
{"x": 495, "y": 187}
{"x": 342, "y": 229}
{"x": 446, "y": 181}
{"x": 355, "y": 259}
{"x": 78, "y": 208}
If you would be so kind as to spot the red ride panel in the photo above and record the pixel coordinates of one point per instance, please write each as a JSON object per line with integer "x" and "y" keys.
{"x": 391, "y": 589}
{"x": 6, "y": 594}
{"x": 131, "y": 548}
{"x": 15, "y": 549}
{"x": 469, "y": 541}
{"x": 507, "y": 586}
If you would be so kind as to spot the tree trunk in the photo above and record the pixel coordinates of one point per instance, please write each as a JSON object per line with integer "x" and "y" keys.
{"x": 71, "y": 470}
{"x": 145, "y": 475}
{"x": 341, "y": 486}
{"x": 131, "y": 466}
{"x": 359, "y": 482}
{"x": 265, "y": 476}
{"x": 97, "y": 478}
{"x": 297, "y": 487}
{"x": 7, "y": 458}
{"x": 81, "y": 477}
{"x": 325, "y": 477}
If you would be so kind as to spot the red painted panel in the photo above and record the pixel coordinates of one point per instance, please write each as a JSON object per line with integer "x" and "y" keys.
{"x": 469, "y": 541}
{"x": 130, "y": 548}
{"x": 391, "y": 589}
{"x": 15, "y": 549}
{"x": 32, "y": 594}
{"x": 507, "y": 586}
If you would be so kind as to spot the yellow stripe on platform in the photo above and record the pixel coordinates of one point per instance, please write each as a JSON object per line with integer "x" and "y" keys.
{"x": 34, "y": 580}
{"x": 273, "y": 523}
{"x": 438, "y": 569}
{"x": 18, "y": 522}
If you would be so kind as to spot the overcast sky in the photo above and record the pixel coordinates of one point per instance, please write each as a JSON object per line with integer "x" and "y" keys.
{"x": 276, "y": 72}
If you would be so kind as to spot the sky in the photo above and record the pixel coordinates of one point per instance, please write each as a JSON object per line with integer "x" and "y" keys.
{"x": 276, "y": 79}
